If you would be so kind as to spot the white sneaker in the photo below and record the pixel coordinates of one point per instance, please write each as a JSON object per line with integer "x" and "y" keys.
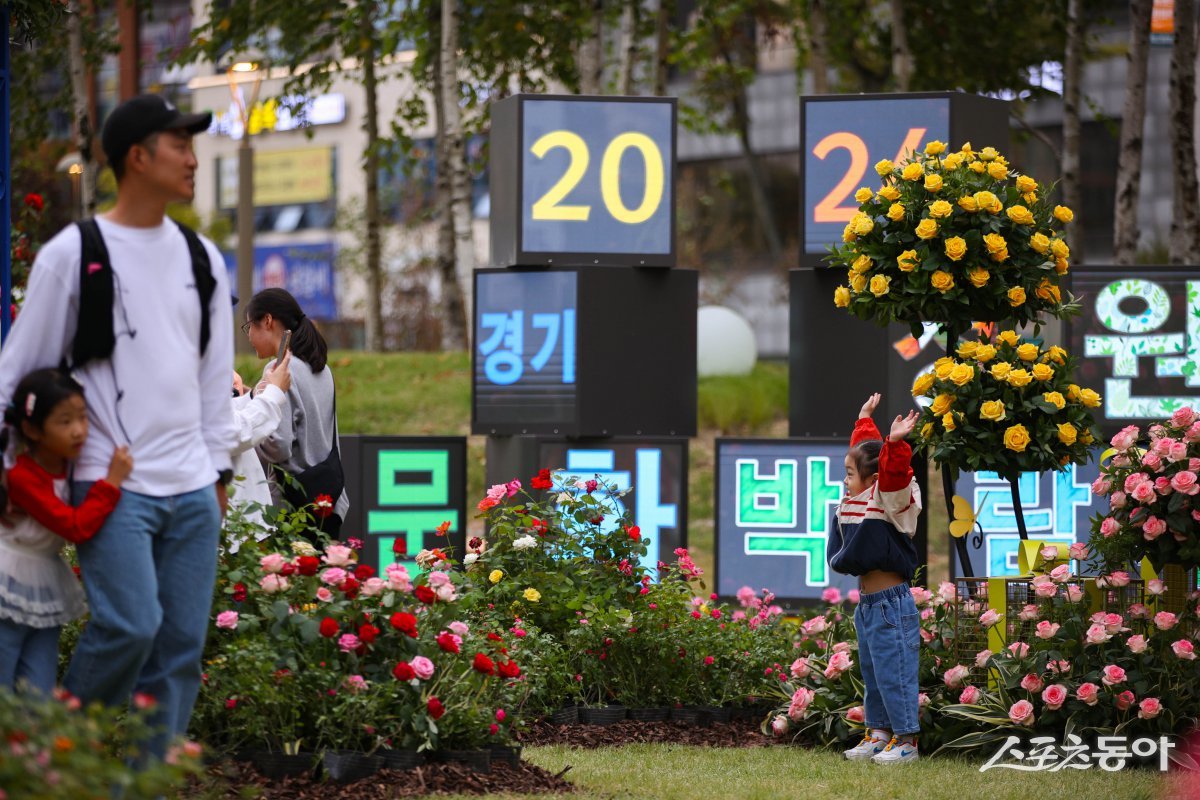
{"x": 867, "y": 748}
{"x": 897, "y": 752}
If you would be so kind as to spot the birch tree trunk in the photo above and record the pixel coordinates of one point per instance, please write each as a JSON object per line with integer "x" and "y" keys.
{"x": 902, "y": 58}
{"x": 84, "y": 133}
{"x": 1133, "y": 120}
{"x": 662, "y": 45}
{"x": 591, "y": 53}
{"x": 371, "y": 168}
{"x": 1072, "y": 82}
{"x": 818, "y": 46}
{"x": 455, "y": 186}
{"x": 1183, "y": 247}
{"x": 630, "y": 18}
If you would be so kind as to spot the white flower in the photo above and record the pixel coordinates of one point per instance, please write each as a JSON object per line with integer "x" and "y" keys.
{"x": 524, "y": 543}
{"x": 470, "y": 558}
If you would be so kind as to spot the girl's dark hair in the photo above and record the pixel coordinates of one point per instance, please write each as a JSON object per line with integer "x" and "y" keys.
{"x": 866, "y": 457}
{"x": 308, "y": 344}
{"x": 47, "y": 388}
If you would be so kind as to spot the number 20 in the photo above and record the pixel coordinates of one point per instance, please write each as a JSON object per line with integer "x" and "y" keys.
{"x": 829, "y": 208}
{"x": 550, "y": 206}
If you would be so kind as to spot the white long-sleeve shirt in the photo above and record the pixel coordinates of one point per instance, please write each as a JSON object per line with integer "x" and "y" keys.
{"x": 155, "y": 394}
{"x": 256, "y": 418}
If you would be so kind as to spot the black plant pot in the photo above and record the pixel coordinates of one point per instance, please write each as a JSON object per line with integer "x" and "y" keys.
{"x": 604, "y": 715}
{"x": 649, "y": 714}
{"x": 503, "y": 754}
{"x": 345, "y": 766}
{"x": 567, "y": 715}
{"x": 692, "y": 715}
{"x": 401, "y": 759}
{"x": 276, "y": 765}
{"x": 474, "y": 760}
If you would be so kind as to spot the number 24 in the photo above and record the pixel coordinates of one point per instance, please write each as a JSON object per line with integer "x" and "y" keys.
{"x": 830, "y": 208}
{"x": 550, "y": 206}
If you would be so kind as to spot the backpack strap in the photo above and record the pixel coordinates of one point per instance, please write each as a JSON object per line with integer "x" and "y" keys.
{"x": 94, "y": 337}
{"x": 206, "y": 284}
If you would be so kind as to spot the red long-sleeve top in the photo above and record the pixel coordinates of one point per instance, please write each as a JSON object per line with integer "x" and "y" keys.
{"x": 31, "y": 488}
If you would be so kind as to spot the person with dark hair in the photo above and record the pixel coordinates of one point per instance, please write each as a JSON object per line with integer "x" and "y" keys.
{"x": 38, "y": 591}
{"x": 304, "y": 446}
{"x": 876, "y": 522}
{"x": 137, "y": 307}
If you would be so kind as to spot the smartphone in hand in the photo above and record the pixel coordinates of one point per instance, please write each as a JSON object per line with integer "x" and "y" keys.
{"x": 284, "y": 344}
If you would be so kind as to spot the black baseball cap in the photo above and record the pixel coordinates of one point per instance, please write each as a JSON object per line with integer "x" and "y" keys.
{"x": 138, "y": 117}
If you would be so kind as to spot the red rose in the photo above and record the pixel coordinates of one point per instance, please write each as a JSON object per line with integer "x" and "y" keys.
{"x": 34, "y": 201}
{"x": 493, "y": 637}
{"x": 509, "y": 669}
{"x": 425, "y": 595}
{"x": 239, "y": 593}
{"x": 403, "y": 671}
{"x": 349, "y": 587}
{"x": 231, "y": 703}
{"x": 436, "y": 709}
{"x": 288, "y": 568}
{"x": 308, "y": 565}
{"x": 399, "y": 547}
{"x": 367, "y": 633}
{"x": 483, "y": 664}
{"x": 329, "y": 627}
{"x": 634, "y": 532}
{"x": 322, "y": 506}
{"x": 541, "y": 480}
{"x": 445, "y": 640}
{"x": 405, "y": 623}
{"x": 363, "y": 571}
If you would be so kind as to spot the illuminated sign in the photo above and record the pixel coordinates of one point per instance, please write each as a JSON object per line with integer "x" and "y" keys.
{"x": 1139, "y": 341}
{"x": 581, "y": 181}
{"x": 579, "y": 352}
{"x": 842, "y": 137}
{"x": 277, "y": 114}
{"x": 281, "y": 177}
{"x": 402, "y": 488}
{"x": 304, "y": 270}
{"x": 1058, "y": 508}
{"x": 776, "y": 505}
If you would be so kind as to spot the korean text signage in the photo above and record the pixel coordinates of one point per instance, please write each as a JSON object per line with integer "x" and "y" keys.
{"x": 304, "y": 270}
{"x": 276, "y": 114}
{"x": 282, "y": 177}
{"x": 583, "y": 181}
{"x": 776, "y": 507}
{"x": 1139, "y": 339}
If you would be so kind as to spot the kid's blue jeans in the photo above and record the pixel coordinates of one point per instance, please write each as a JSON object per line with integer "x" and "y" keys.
{"x": 889, "y": 641}
{"x": 28, "y": 654}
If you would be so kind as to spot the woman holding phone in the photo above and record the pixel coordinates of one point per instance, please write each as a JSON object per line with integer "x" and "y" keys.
{"x": 304, "y": 446}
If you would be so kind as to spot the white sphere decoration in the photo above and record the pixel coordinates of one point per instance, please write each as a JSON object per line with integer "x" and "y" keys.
{"x": 725, "y": 342}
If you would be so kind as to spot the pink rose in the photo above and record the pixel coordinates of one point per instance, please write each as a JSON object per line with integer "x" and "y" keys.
{"x": 1125, "y": 700}
{"x": 273, "y": 583}
{"x": 437, "y": 579}
{"x": 838, "y": 664}
{"x": 348, "y": 642}
{"x": 801, "y": 699}
{"x": 1135, "y": 480}
{"x": 1185, "y": 482}
{"x": 1184, "y": 650}
{"x": 1117, "y": 500}
{"x": 334, "y": 576}
{"x": 1136, "y": 643}
{"x": 423, "y": 667}
{"x": 989, "y": 618}
{"x": 801, "y": 669}
{"x": 355, "y": 683}
{"x": 1183, "y": 417}
{"x": 1109, "y": 527}
{"x": 1049, "y": 552}
{"x": 955, "y": 676}
{"x": 1155, "y": 587}
{"x": 947, "y": 592}
{"x": 1165, "y": 620}
{"x": 324, "y": 595}
{"x": 832, "y": 595}
{"x": 1113, "y": 623}
{"x": 397, "y": 578}
{"x": 982, "y": 658}
{"x": 1019, "y": 649}
{"x": 227, "y": 620}
{"x": 1149, "y": 708}
{"x": 498, "y": 491}
{"x": 970, "y": 695}
{"x": 1097, "y": 634}
{"x": 1047, "y": 629}
{"x": 856, "y": 714}
{"x": 338, "y": 555}
{"x": 815, "y": 625}
{"x": 1044, "y": 587}
{"x": 1152, "y": 461}
{"x": 1194, "y": 464}
{"x": 1031, "y": 683}
{"x": 922, "y": 700}
{"x": 1074, "y": 593}
{"x": 779, "y": 725}
{"x": 746, "y": 596}
{"x": 920, "y": 595}
{"x": 373, "y": 586}
{"x": 1193, "y": 433}
{"x": 1153, "y": 528}
{"x": 1061, "y": 573}
{"x": 852, "y": 595}
{"x": 1021, "y": 713}
{"x": 1144, "y": 493}
{"x": 1089, "y": 693}
{"x": 1029, "y": 613}
{"x": 460, "y": 628}
{"x": 1059, "y": 667}
{"x": 1118, "y": 579}
{"x": 1125, "y": 438}
{"x": 841, "y": 647}
{"x": 1101, "y": 486}
{"x": 1138, "y": 611}
{"x": 272, "y": 563}
{"x": 1162, "y": 485}
{"x": 1078, "y": 551}
{"x": 512, "y": 487}
{"x": 1054, "y": 696}
{"x": 1178, "y": 452}
{"x": 1112, "y": 675}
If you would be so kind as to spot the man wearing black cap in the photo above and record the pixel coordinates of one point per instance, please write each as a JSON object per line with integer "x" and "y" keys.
{"x": 159, "y": 384}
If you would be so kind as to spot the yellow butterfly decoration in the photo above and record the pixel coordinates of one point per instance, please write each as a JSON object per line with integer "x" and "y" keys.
{"x": 964, "y": 518}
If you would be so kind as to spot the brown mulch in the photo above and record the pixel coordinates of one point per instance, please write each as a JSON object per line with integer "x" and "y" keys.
{"x": 739, "y": 733}
{"x": 240, "y": 780}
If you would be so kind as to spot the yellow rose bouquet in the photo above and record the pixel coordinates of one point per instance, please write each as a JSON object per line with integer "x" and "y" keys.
{"x": 954, "y": 238}
{"x": 1007, "y": 406}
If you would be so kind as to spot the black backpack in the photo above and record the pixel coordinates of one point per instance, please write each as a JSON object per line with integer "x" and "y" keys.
{"x": 95, "y": 336}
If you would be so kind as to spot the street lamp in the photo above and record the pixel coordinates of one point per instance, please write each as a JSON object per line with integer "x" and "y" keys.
{"x": 245, "y": 71}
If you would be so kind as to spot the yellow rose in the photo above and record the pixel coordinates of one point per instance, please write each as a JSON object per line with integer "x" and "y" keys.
{"x": 1028, "y": 352}
{"x": 992, "y": 410}
{"x": 979, "y": 277}
{"x": 948, "y": 421}
{"x": 895, "y": 212}
{"x": 1063, "y": 214}
{"x": 942, "y": 281}
{"x": 1060, "y": 266}
{"x": 863, "y": 224}
{"x": 1067, "y": 433}
{"x": 1020, "y": 215}
{"x": 1042, "y": 372}
{"x": 1056, "y": 354}
{"x": 880, "y": 285}
{"x": 841, "y": 296}
{"x": 858, "y": 282}
{"x": 1030, "y": 198}
{"x": 1016, "y": 296}
{"x": 863, "y": 195}
{"x": 532, "y": 595}
{"x": 884, "y": 168}
{"x": 907, "y": 261}
{"x": 988, "y": 154}
{"x": 933, "y": 183}
{"x": 1048, "y": 291}
{"x": 1073, "y": 392}
{"x": 861, "y": 264}
{"x": 935, "y": 148}
{"x": 927, "y": 229}
{"x": 1026, "y": 184}
{"x": 922, "y": 384}
{"x": 968, "y": 349}
{"x": 495, "y": 576}
{"x": 997, "y": 171}
{"x": 952, "y": 161}
{"x": 996, "y": 246}
{"x": 1016, "y": 438}
{"x": 956, "y": 248}
{"x": 968, "y": 204}
{"x": 940, "y": 209}
{"x": 926, "y": 430}
{"x": 985, "y": 353}
{"x": 1085, "y": 437}
{"x": 1001, "y": 370}
{"x": 889, "y": 193}
{"x": 848, "y": 233}
{"x": 1089, "y": 398}
{"x": 1039, "y": 242}
{"x": 988, "y": 202}
{"x": 943, "y": 367}
{"x": 1059, "y": 248}
{"x": 1019, "y": 378}
{"x": 912, "y": 172}
{"x": 1054, "y": 398}
{"x": 941, "y": 404}
{"x": 1010, "y": 338}
{"x": 978, "y": 166}
{"x": 966, "y": 150}
{"x": 962, "y": 374}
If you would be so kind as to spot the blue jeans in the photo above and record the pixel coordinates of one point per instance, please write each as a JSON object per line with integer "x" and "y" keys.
{"x": 149, "y": 575}
{"x": 29, "y": 654}
{"x": 889, "y": 641}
